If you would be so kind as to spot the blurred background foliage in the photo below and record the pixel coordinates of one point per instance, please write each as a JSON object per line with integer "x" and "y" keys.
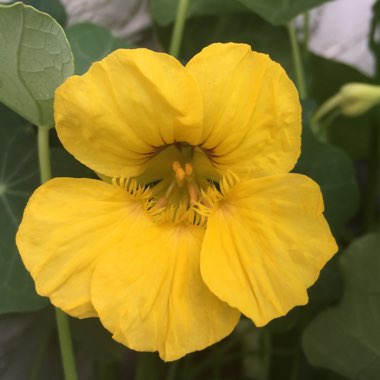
{"x": 336, "y": 336}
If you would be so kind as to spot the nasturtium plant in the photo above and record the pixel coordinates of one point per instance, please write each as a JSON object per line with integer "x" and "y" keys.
{"x": 203, "y": 193}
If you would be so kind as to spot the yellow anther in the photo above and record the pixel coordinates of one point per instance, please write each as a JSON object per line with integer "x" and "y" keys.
{"x": 180, "y": 174}
{"x": 188, "y": 169}
{"x": 176, "y": 165}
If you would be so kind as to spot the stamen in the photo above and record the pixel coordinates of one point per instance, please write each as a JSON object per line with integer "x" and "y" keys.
{"x": 180, "y": 175}
{"x": 188, "y": 169}
{"x": 193, "y": 193}
{"x": 193, "y": 207}
{"x": 176, "y": 165}
{"x": 170, "y": 190}
{"x": 132, "y": 187}
{"x": 179, "y": 172}
{"x": 161, "y": 203}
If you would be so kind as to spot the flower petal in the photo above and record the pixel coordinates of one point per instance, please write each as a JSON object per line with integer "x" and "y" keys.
{"x": 265, "y": 244}
{"x": 67, "y": 225}
{"x": 127, "y": 106}
{"x": 150, "y": 294}
{"x": 252, "y": 113}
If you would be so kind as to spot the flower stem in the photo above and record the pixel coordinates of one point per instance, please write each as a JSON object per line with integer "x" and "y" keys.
{"x": 66, "y": 345}
{"x": 297, "y": 60}
{"x": 179, "y": 25}
{"x": 62, "y": 320}
{"x": 44, "y": 154}
{"x": 306, "y": 33}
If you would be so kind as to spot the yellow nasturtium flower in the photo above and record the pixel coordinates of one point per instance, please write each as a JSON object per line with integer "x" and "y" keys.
{"x": 201, "y": 220}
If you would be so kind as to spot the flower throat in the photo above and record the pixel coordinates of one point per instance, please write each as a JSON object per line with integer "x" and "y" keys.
{"x": 182, "y": 195}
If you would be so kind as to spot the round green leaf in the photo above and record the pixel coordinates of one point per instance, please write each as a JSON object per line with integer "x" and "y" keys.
{"x": 19, "y": 176}
{"x": 346, "y": 338}
{"x": 35, "y": 58}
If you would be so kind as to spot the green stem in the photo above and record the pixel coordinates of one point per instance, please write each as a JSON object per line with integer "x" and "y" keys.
{"x": 306, "y": 33}
{"x": 179, "y": 25}
{"x": 62, "y": 320}
{"x": 297, "y": 60}
{"x": 66, "y": 345}
{"x": 44, "y": 154}
{"x": 329, "y": 105}
{"x": 320, "y": 128}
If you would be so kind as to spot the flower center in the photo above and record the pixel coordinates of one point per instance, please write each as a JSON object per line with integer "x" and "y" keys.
{"x": 175, "y": 185}
{"x": 186, "y": 175}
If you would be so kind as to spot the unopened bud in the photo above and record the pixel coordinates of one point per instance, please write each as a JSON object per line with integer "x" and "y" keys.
{"x": 353, "y": 99}
{"x": 357, "y": 98}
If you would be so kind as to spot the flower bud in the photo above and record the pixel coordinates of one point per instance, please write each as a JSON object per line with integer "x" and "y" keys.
{"x": 357, "y": 98}
{"x": 353, "y": 99}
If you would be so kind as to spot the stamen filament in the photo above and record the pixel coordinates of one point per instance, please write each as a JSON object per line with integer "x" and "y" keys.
{"x": 193, "y": 193}
{"x": 170, "y": 189}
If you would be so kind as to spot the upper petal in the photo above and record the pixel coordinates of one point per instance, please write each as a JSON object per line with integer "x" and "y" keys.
{"x": 116, "y": 116}
{"x": 265, "y": 244}
{"x": 150, "y": 294}
{"x": 252, "y": 115}
{"x": 67, "y": 225}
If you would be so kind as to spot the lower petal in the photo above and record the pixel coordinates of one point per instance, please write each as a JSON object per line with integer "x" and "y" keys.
{"x": 150, "y": 294}
{"x": 67, "y": 225}
{"x": 265, "y": 244}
